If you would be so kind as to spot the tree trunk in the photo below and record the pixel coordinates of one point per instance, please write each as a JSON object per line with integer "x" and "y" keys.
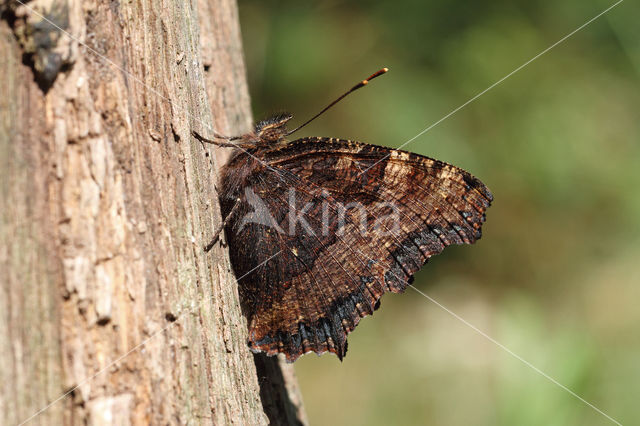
{"x": 110, "y": 311}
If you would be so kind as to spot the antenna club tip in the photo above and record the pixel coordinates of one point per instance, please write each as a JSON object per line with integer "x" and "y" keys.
{"x": 385, "y": 69}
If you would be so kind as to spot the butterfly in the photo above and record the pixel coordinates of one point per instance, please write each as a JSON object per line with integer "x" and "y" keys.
{"x": 320, "y": 228}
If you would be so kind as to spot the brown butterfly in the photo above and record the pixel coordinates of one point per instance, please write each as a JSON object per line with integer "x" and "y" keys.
{"x": 321, "y": 228}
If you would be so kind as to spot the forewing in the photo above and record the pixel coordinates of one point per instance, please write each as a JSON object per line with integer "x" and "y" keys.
{"x": 372, "y": 217}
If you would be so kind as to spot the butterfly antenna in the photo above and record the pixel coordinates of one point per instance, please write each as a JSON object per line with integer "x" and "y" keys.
{"x": 344, "y": 95}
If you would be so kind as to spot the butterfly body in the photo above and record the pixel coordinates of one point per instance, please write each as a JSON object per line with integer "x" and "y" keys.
{"x": 321, "y": 228}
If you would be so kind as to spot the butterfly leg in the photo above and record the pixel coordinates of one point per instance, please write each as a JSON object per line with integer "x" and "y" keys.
{"x": 215, "y": 135}
{"x": 216, "y": 235}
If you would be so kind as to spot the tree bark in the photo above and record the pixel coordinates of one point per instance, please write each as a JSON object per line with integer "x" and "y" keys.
{"x": 106, "y": 295}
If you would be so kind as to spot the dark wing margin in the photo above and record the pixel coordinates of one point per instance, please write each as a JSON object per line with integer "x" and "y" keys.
{"x": 323, "y": 282}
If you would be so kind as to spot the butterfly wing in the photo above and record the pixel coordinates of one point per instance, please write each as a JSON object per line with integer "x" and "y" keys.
{"x": 335, "y": 224}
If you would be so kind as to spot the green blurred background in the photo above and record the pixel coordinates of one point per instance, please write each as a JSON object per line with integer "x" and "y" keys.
{"x": 556, "y": 277}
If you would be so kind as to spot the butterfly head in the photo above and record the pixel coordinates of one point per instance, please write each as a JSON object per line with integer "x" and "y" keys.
{"x": 273, "y": 129}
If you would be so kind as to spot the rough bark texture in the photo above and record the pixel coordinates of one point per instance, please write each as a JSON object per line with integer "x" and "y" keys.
{"x": 106, "y": 203}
